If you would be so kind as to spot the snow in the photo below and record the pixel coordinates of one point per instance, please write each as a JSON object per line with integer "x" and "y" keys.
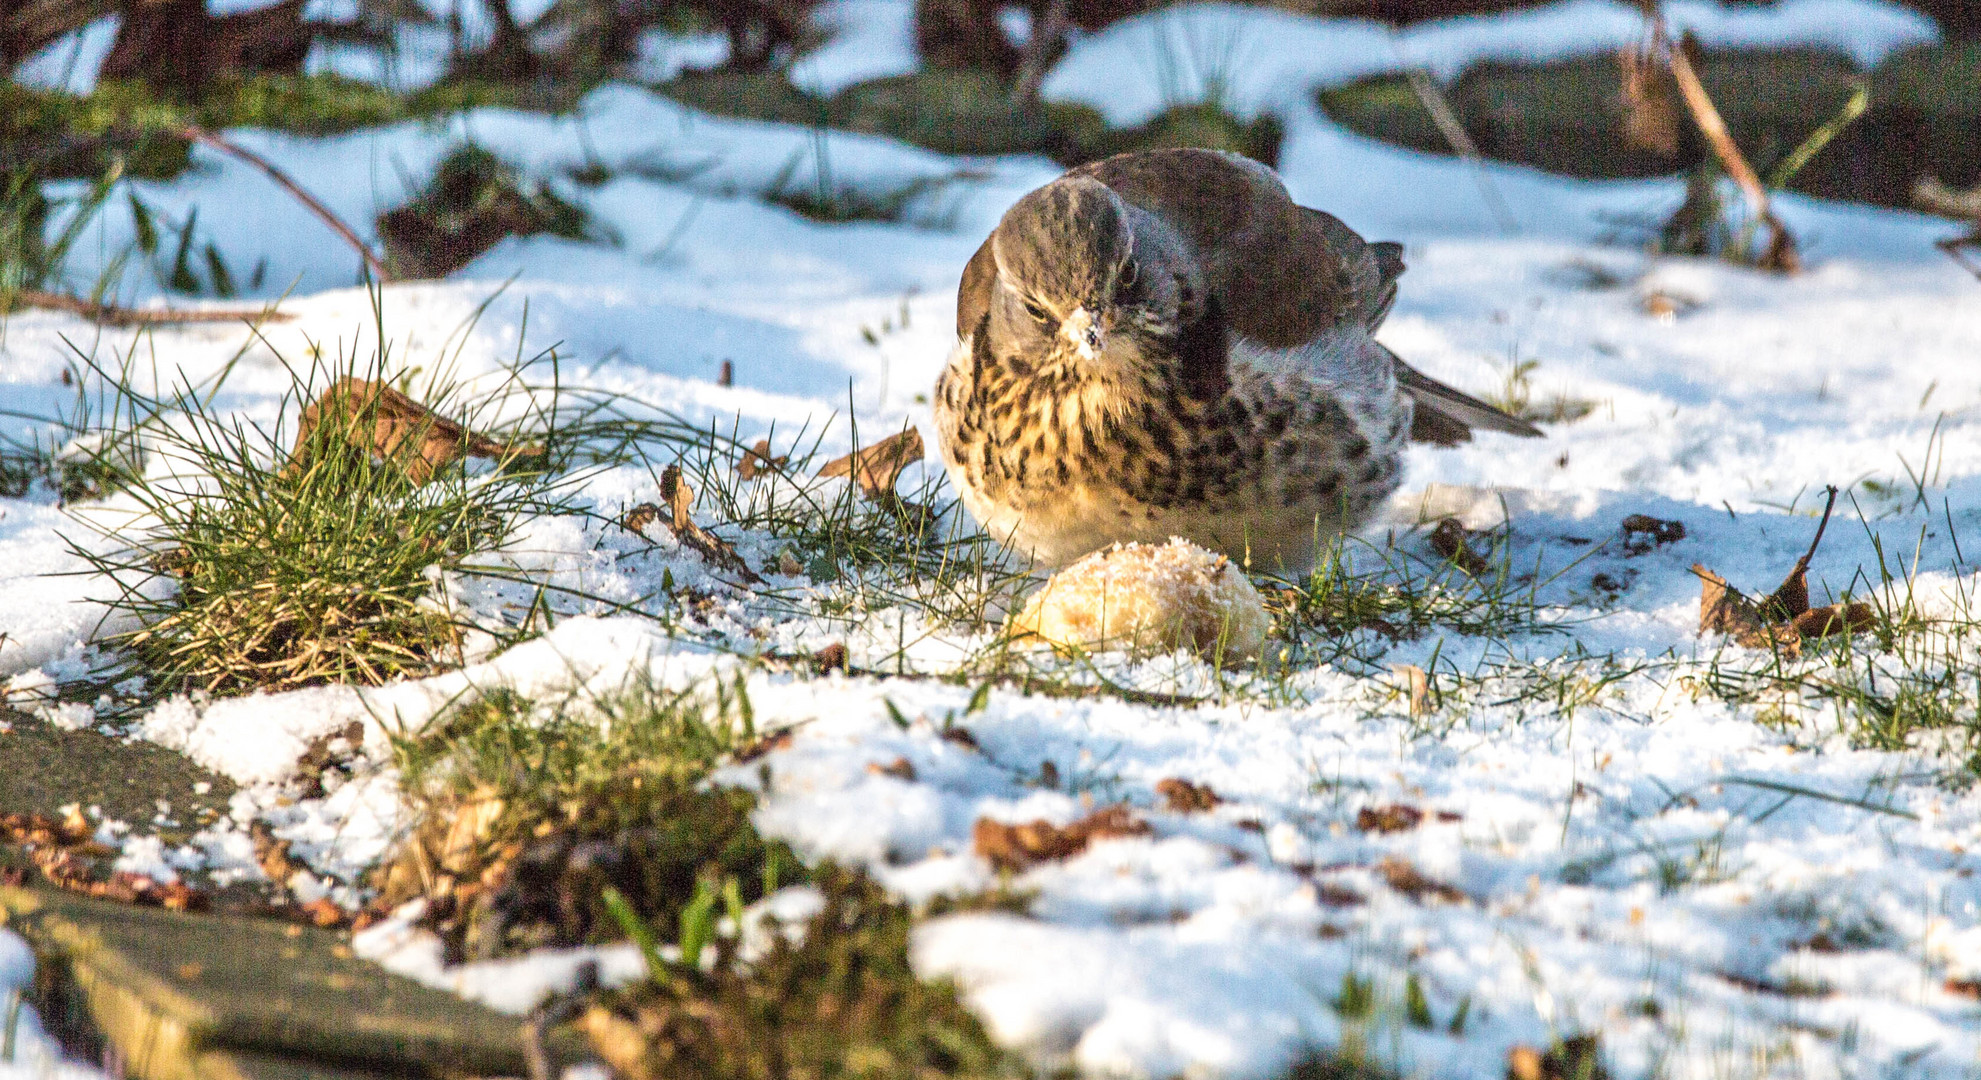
{"x": 1624, "y": 852}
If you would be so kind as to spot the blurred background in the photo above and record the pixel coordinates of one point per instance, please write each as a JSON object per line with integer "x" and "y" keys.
{"x": 1870, "y": 102}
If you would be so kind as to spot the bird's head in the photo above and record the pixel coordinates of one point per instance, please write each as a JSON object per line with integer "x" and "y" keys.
{"x": 1071, "y": 289}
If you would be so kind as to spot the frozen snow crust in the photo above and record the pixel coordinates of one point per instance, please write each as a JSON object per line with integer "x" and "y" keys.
{"x": 1716, "y": 890}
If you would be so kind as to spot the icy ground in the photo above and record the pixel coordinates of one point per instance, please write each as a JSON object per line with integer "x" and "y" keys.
{"x": 1717, "y": 890}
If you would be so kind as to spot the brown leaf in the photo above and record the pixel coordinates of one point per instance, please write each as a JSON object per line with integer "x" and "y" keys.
{"x": 1448, "y": 540}
{"x": 680, "y": 496}
{"x": 1578, "y": 1057}
{"x": 757, "y": 460}
{"x": 1790, "y": 598}
{"x": 1413, "y": 681}
{"x": 1400, "y": 875}
{"x": 875, "y": 468}
{"x": 620, "y": 1042}
{"x": 1642, "y": 532}
{"x": 272, "y": 855}
{"x": 900, "y": 768}
{"x": 1394, "y": 818}
{"x": 639, "y": 517}
{"x": 1524, "y": 1063}
{"x": 1015, "y": 847}
{"x": 1337, "y": 896}
{"x": 323, "y": 912}
{"x": 1184, "y": 797}
{"x": 392, "y": 426}
{"x": 1722, "y": 609}
{"x": 766, "y": 744}
{"x": 1836, "y": 619}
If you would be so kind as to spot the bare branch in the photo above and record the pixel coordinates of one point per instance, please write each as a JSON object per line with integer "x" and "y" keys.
{"x": 201, "y": 135}
{"x": 114, "y": 315}
{"x": 1781, "y": 254}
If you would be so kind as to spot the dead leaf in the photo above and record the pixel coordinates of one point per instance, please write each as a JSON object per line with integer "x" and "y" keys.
{"x": 1578, "y": 1057}
{"x": 1184, "y": 797}
{"x": 1968, "y": 988}
{"x": 1642, "y": 532}
{"x": 1412, "y": 680}
{"x": 1790, "y": 598}
{"x": 620, "y": 1042}
{"x": 1331, "y": 895}
{"x": 1660, "y": 304}
{"x": 1394, "y": 818}
{"x": 639, "y": 517}
{"x": 272, "y": 855}
{"x": 1448, "y": 540}
{"x": 323, "y": 912}
{"x": 1015, "y": 847}
{"x": 875, "y": 468}
{"x": 900, "y": 768}
{"x": 1524, "y": 1063}
{"x": 1722, "y": 609}
{"x": 1400, "y": 875}
{"x": 759, "y": 747}
{"x": 392, "y": 426}
{"x": 680, "y": 496}
{"x": 757, "y": 460}
{"x": 1782, "y": 618}
{"x": 1836, "y": 619}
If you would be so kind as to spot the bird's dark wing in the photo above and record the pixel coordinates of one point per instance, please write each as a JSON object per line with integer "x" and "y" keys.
{"x": 973, "y": 296}
{"x": 1446, "y": 415}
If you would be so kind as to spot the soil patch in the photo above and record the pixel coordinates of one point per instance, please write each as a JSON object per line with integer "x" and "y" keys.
{"x": 44, "y": 768}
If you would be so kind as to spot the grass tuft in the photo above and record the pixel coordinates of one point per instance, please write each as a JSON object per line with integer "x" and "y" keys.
{"x": 539, "y": 820}
{"x": 245, "y": 574}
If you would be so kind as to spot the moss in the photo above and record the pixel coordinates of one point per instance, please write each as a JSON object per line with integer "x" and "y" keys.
{"x": 755, "y": 95}
{"x": 963, "y": 112}
{"x": 1567, "y": 116}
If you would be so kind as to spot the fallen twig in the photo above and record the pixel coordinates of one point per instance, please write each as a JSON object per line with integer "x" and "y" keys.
{"x": 116, "y": 315}
{"x": 1781, "y": 254}
{"x": 200, "y": 135}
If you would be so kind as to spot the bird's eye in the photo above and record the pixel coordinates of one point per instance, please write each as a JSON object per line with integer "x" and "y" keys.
{"x": 1037, "y": 313}
{"x": 1131, "y": 273}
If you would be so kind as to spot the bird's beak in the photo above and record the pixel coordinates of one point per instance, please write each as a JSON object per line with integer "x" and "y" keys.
{"x": 1084, "y": 331}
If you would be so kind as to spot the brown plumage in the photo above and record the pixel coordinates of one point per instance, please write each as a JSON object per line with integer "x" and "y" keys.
{"x": 1164, "y": 343}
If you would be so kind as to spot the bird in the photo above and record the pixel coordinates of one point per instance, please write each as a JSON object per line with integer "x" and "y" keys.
{"x": 1164, "y": 344}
